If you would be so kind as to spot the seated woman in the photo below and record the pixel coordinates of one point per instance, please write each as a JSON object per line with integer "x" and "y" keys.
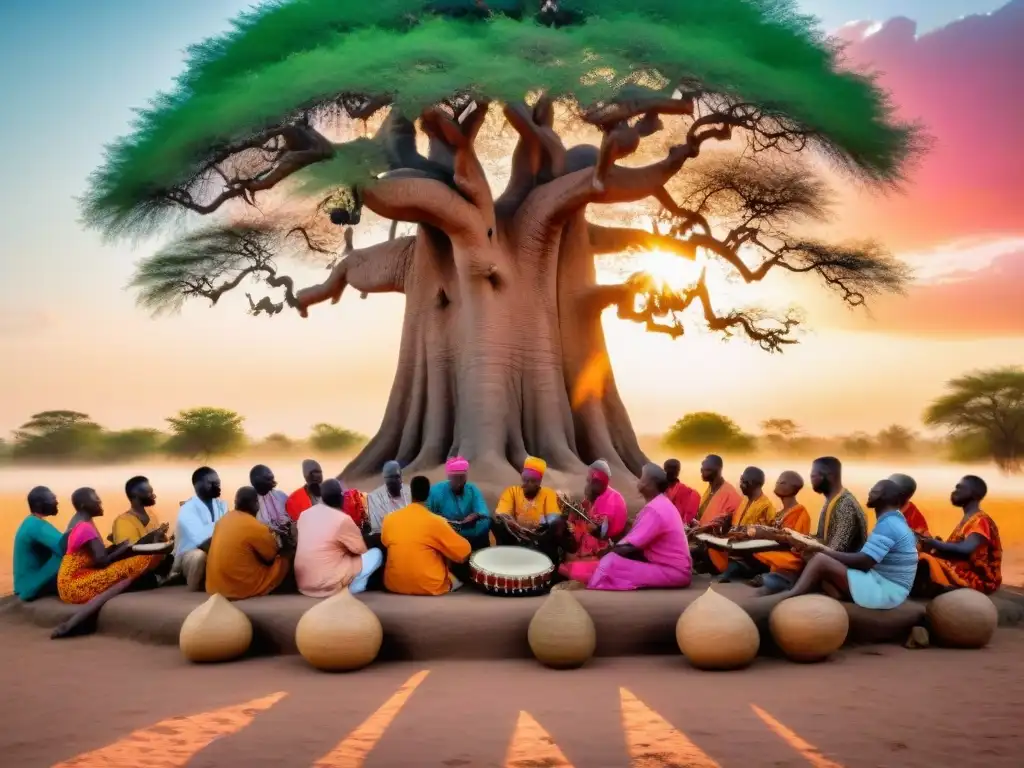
{"x": 245, "y": 559}
{"x": 89, "y": 569}
{"x": 881, "y": 574}
{"x": 602, "y": 523}
{"x": 654, "y": 554}
{"x": 526, "y": 513}
{"x": 973, "y": 555}
{"x": 38, "y": 548}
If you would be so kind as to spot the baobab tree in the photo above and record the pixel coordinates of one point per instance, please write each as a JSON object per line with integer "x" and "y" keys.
{"x": 502, "y": 344}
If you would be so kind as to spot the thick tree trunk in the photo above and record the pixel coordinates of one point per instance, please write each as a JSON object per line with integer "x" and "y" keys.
{"x": 494, "y": 343}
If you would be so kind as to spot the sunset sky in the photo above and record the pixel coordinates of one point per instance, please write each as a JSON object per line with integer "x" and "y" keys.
{"x": 71, "y": 336}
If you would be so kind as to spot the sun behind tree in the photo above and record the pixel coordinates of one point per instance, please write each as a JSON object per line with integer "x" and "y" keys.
{"x": 502, "y": 316}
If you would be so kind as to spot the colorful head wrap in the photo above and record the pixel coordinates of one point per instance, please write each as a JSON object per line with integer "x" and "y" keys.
{"x": 534, "y": 467}
{"x": 456, "y": 465}
{"x": 601, "y": 469}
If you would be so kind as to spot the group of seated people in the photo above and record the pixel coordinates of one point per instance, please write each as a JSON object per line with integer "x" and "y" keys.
{"x": 416, "y": 538}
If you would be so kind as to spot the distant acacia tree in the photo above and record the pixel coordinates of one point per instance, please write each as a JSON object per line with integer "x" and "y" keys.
{"x": 59, "y": 435}
{"x": 131, "y": 443}
{"x": 327, "y": 437}
{"x": 895, "y": 440}
{"x": 780, "y": 433}
{"x": 202, "y": 432}
{"x": 985, "y": 408}
{"x": 859, "y": 444}
{"x": 277, "y": 442}
{"x": 708, "y": 431}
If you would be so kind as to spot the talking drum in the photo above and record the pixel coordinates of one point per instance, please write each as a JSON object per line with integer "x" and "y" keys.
{"x": 511, "y": 571}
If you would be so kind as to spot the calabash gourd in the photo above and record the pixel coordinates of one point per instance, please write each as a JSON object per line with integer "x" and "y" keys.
{"x": 561, "y": 632}
{"x": 810, "y": 627}
{"x": 715, "y": 633}
{"x": 339, "y": 634}
{"x": 215, "y": 631}
{"x": 963, "y": 618}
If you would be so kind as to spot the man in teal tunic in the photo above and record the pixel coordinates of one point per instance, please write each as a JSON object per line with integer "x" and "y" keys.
{"x": 461, "y": 503}
{"x": 38, "y": 548}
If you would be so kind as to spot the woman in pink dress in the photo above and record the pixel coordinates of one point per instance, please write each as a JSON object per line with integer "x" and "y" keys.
{"x": 654, "y": 554}
{"x": 607, "y": 512}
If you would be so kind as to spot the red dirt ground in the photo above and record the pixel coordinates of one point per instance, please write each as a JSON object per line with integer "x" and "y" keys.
{"x": 869, "y": 707}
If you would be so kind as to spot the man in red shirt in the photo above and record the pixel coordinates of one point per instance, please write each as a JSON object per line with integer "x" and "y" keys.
{"x": 309, "y": 494}
{"x": 685, "y": 498}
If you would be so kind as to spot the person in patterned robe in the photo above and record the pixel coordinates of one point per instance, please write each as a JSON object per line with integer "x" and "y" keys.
{"x": 842, "y": 524}
{"x": 972, "y": 557}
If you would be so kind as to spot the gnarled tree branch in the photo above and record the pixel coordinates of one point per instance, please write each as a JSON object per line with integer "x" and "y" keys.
{"x": 422, "y": 200}
{"x": 622, "y": 239}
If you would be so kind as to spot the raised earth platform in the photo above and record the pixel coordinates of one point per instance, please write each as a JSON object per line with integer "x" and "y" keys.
{"x": 471, "y": 625}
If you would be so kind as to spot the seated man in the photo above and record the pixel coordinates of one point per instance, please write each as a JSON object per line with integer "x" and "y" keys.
{"x": 309, "y": 494}
{"x": 755, "y": 510}
{"x": 842, "y": 525}
{"x": 331, "y": 553}
{"x": 419, "y": 545}
{"x": 881, "y": 574}
{"x": 972, "y": 557}
{"x": 685, "y": 498}
{"x": 194, "y": 529}
{"x": 654, "y": 553}
{"x": 717, "y": 505}
{"x": 272, "y": 500}
{"x": 139, "y": 520}
{"x": 245, "y": 559}
{"x": 594, "y": 532}
{"x": 390, "y": 497}
{"x": 38, "y": 548}
{"x": 526, "y": 513}
{"x": 917, "y": 522}
{"x": 792, "y": 517}
{"x": 462, "y": 504}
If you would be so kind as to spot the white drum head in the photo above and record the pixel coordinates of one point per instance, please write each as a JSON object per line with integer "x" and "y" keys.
{"x": 754, "y": 544}
{"x": 511, "y": 561}
{"x": 716, "y": 541}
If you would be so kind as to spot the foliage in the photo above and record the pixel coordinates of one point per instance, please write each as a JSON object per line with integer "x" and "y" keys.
{"x": 985, "y": 407}
{"x": 59, "y": 435}
{"x": 327, "y": 437}
{"x": 859, "y": 444}
{"x": 277, "y": 442}
{"x": 895, "y": 440}
{"x": 780, "y": 433}
{"x": 205, "y": 432}
{"x": 969, "y": 448}
{"x": 131, "y": 443}
{"x": 326, "y": 57}
{"x": 707, "y": 431}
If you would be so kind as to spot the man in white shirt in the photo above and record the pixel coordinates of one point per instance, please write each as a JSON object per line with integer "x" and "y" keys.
{"x": 194, "y": 529}
{"x": 388, "y": 498}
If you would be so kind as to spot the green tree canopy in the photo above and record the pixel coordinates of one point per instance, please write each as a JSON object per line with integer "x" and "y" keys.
{"x": 707, "y": 431}
{"x": 327, "y": 437}
{"x": 204, "y": 432}
{"x": 985, "y": 407}
{"x": 858, "y": 444}
{"x": 57, "y": 435}
{"x": 132, "y": 443}
{"x": 319, "y": 57}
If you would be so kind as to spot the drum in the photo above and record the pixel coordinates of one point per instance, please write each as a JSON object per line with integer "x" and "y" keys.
{"x": 511, "y": 571}
{"x": 157, "y": 548}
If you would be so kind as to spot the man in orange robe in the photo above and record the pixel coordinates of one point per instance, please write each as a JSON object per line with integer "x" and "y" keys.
{"x": 792, "y": 517}
{"x": 755, "y": 510}
{"x": 913, "y": 515}
{"x": 717, "y": 506}
{"x": 309, "y": 494}
{"x": 682, "y": 496}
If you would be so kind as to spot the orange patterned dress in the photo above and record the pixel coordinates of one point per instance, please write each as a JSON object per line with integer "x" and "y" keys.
{"x": 79, "y": 581}
{"x": 981, "y": 571}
